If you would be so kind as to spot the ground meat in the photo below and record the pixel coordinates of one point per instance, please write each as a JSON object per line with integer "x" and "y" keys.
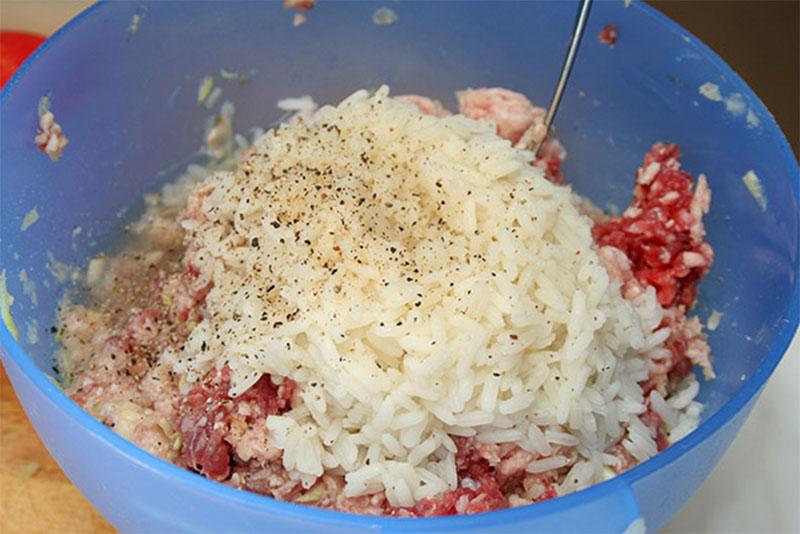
{"x": 661, "y": 232}
{"x": 107, "y": 389}
{"x": 517, "y": 120}
{"x": 151, "y": 297}
{"x": 50, "y": 139}
{"x": 513, "y": 464}
{"x": 625, "y": 459}
{"x": 488, "y": 475}
{"x": 82, "y": 334}
{"x": 375, "y": 504}
{"x": 654, "y": 422}
{"x": 142, "y": 426}
{"x": 608, "y": 35}
{"x": 619, "y": 268}
{"x": 512, "y": 113}
{"x": 143, "y": 326}
{"x": 194, "y": 204}
{"x": 658, "y": 241}
{"x": 300, "y": 5}
{"x": 687, "y": 345}
{"x": 106, "y": 367}
{"x": 266, "y": 478}
{"x": 203, "y": 419}
{"x": 123, "y": 337}
{"x": 540, "y": 487}
{"x": 206, "y": 413}
{"x": 463, "y": 501}
{"x": 184, "y": 294}
{"x": 425, "y": 105}
{"x": 251, "y": 441}
{"x": 164, "y": 233}
{"x": 159, "y": 391}
{"x": 550, "y": 157}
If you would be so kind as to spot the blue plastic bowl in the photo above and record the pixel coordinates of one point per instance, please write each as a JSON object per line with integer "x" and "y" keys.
{"x": 128, "y": 102}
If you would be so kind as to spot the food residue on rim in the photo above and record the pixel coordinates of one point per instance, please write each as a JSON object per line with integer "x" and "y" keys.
{"x": 32, "y": 331}
{"x": 710, "y": 91}
{"x": 228, "y": 74}
{"x": 61, "y": 271}
{"x": 384, "y": 16}
{"x": 209, "y": 93}
{"x": 735, "y": 103}
{"x": 219, "y": 135}
{"x": 241, "y": 77}
{"x": 213, "y": 97}
{"x": 608, "y": 35}
{"x": 298, "y": 19}
{"x": 28, "y": 287}
{"x": 301, "y": 103}
{"x": 31, "y": 217}
{"x": 753, "y": 184}
{"x": 50, "y": 137}
{"x": 205, "y": 88}
{"x": 136, "y": 19}
{"x": 714, "y": 320}
{"x": 752, "y": 119}
{"x": 6, "y": 301}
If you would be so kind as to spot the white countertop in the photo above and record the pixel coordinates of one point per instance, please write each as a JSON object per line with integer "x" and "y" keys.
{"x": 754, "y": 488}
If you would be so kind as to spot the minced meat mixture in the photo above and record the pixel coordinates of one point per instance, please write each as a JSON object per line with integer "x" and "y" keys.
{"x": 149, "y": 297}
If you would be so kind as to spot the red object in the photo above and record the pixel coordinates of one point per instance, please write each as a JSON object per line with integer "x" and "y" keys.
{"x": 487, "y": 496}
{"x": 300, "y": 5}
{"x": 660, "y": 234}
{"x": 204, "y": 417}
{"x": 15, "y": 47}
{"x": 608, "y": 35}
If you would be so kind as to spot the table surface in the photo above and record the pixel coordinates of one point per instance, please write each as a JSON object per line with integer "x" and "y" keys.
{"x": 754, "y": 489}
{"x": 35, "y": 495}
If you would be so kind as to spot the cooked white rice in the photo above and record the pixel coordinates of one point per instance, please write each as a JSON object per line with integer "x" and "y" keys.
{"x": 419, "y": 280}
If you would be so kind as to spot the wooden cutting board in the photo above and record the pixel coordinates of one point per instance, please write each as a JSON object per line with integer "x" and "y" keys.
{"x": 35, "y": 495}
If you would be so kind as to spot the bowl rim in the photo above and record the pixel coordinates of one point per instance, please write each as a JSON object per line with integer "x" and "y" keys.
{"x": 622, "y": 483}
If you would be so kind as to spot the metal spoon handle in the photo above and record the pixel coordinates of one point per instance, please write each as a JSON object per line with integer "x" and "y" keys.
{"x": 566, "y": 68}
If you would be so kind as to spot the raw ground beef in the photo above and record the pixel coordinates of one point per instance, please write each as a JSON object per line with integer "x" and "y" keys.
{"x": 661, "y": 233}
{"x": 608, "y": 35}
{"x": 659, "y": 242}
{"x": 207, "y": 413}
{"x": 517, "y": 120}
{"x": 425, "y": 105}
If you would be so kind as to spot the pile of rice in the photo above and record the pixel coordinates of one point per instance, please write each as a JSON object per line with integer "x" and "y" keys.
{"x": 418, "y": 279}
